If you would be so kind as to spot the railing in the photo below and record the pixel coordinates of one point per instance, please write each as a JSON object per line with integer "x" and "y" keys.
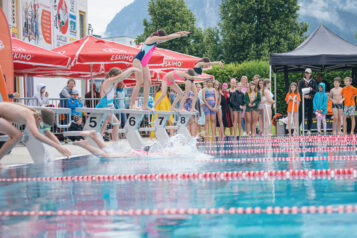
{"x": 56, "y": 102}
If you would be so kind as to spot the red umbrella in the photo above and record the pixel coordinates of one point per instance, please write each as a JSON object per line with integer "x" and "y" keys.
{"x": 29, "y": 58}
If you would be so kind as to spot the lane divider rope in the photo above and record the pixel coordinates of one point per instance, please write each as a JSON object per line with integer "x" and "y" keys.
{"x": 245, "y": 160}
{"x": 347, "y": 173}
{"x": 277, "y": 210}
{"x": 265, "y": 150}
{"x": 295, "y": 139}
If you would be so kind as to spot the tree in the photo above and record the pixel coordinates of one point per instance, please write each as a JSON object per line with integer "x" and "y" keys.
{"x": 252, "y": 29}
{"x": 174, "y": 16}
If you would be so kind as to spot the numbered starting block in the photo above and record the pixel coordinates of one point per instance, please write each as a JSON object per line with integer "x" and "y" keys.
{"x": 97, "y": 116}
{"x": 158, "y": 127}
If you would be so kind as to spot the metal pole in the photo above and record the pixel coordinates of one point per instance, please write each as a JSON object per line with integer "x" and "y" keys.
{"x": 276, "y": 99}
{"x": 91, "y": 85}
{"x": 303, "y": 114}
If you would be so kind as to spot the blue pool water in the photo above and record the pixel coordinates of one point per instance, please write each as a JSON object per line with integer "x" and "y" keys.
{"x": 179, "y": 193}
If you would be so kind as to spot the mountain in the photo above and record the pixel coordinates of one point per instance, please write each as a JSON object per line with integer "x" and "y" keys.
{"x": 338, "y": 15}
{"x": 129, "y": 21}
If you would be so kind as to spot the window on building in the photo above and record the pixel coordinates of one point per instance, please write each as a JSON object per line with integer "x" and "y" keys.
{"x": 82, "y": 24}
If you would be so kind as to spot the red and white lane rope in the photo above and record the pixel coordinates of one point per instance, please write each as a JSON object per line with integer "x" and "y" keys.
{"x": 291, "y": 139}
{"x": 243, "y": 160}
{"x": 190, "y": 211}
{"x": 348, "y": 173}
{"x": 259, "y": 144}
{"x": 266, "y": 150}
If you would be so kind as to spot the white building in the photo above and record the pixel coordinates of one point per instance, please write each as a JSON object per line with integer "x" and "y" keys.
{"x": 48, "y": 24}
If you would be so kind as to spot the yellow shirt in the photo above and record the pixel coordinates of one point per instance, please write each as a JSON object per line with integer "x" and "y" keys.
{"x": 164, "y": 105}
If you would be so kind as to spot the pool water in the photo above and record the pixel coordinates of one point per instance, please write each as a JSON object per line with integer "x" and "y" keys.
{"x": 180, "y": 193}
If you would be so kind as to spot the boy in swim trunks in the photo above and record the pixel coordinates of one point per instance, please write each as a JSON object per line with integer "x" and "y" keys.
{"x": 337, "y": 105}
{"x": 348, "y": 95}
{"x": 23, "y": 115}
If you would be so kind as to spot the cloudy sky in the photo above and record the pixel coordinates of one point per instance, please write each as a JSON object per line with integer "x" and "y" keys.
{"x": 101, "y": 12}
{"x": 326, "y": 10}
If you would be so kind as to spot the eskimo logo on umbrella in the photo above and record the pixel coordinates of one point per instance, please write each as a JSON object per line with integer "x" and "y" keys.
{"x": 21, "y": 56}
{"x": 2, "y": 46}
{"x": 114, "y": 50}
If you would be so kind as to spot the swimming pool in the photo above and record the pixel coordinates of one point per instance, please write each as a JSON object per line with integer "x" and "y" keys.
{"x": 274, "y": 187}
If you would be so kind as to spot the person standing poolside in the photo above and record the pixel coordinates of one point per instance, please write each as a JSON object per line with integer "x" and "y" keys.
{"x": 74, "y": 102}
{"x": 293, "y": 100}
{"x": 23, "y": 115}
{"x": 219, "y": 123}
{"x": 260, "y": 108}
{"x": 201, "y": 119}
{"x": 337, "y": 105}
{"x": 268, "y": 102}
{"x": 320, "y": 108}
{"x": 245, "y": 85}
{"x": 141, "y": 61}
{"x": 66, "y": 92}
{"x": 41, "y": 96}
{"x": 237, "y": 104}
{"x": 252, "y": 100}
{"x": 210, "y": 99}
{"x": 232, "y": 89}
{"x": 349, "y": 94}
{"x": 307, "y": 82}
{"x": 226, "y": 109}
{"x": 107, "y": 93}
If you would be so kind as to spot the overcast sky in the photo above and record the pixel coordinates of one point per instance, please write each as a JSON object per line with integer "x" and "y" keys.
{"x": 101, "y": 12}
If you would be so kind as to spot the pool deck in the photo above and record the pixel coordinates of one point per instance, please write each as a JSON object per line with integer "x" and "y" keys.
{"x": 20, "y": 155}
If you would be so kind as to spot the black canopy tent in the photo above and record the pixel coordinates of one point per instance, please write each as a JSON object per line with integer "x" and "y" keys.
{"x": 323, "y": 50}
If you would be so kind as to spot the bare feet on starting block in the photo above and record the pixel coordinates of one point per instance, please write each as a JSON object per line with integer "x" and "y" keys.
{"x": 182, "y": 110}
{"x": 146, "y": 108}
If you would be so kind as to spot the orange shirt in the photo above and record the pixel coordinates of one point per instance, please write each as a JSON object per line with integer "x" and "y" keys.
{"x": 329, "y": 107}
{"x": 290, "y": 104}
{"x": 348, "y": 94}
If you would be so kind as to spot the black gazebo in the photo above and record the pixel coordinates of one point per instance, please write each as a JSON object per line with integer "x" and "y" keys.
{"x": 323, "y": 50}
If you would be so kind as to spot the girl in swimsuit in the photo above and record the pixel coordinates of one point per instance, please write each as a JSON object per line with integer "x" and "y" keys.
{"x": 107, "y": 92}
{"x": 209, "y": 98}
{"x": 252, "y": 100}
{"x": 170, "y": 79}
{"x": 218, "y": 90}
{"x": 141, "y": 61}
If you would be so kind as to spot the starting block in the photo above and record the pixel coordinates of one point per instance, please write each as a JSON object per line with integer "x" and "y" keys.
{"x": 97, "y": 116}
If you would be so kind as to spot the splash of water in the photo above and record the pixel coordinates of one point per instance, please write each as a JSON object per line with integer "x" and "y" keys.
{"x": 178, "y": 147}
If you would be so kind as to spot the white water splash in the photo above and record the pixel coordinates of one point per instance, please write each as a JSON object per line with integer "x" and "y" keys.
{"x": 178, "y": 147}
